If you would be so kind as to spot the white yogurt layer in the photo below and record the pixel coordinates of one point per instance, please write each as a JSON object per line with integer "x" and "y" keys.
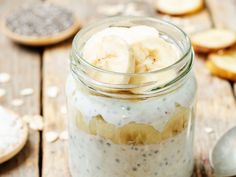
{"x": 156, "y": 111}
{"x": 93, "y": 156}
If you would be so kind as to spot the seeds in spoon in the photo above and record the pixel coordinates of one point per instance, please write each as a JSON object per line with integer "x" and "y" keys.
{"x": 40, "y": 20}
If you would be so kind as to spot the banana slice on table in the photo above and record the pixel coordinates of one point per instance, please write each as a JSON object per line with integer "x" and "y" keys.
{"x": 152, "y": 54}
{"x": 223, "y": 65}
{"x": 213, "y": 40}
{"x": 179, "y": 7}
{"x": 110, "y": 53}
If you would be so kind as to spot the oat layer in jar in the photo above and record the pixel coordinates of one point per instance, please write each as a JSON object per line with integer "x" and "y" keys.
{"x": 130, "y": 96}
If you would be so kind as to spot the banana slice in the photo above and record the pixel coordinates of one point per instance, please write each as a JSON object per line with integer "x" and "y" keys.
{"x": 120, "y": 32}
{"x": 179, "y": 7}
{"x": 141, "y": 32}
{"x": 152, "y": 54}
{"x": 223, "y": 65}
{"x": 110, "y": 53}
{"x": 135, "y": 133}
{"x": 213, "y": 40}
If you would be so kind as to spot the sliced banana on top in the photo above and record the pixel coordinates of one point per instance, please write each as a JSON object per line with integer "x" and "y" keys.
{"x": 179, "y": 7}
{"x": 110, "y": 53}
{"x": 152, "y": 54}
{"x": 141, "y": 32}
{"x": 213, "y": 40}
{"x": 138, "y": 49}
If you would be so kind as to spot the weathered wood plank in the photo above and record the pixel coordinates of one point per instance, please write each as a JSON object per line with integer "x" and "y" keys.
{"x": 213, "y": 111}
{"x": 23, "y": 64}
{"x": 223, "y": 14}
{"x": 55, "y": 67}
{"x": 24, "y": 67}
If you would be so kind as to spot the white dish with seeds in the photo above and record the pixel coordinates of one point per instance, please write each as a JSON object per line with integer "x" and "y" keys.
{"x": 40, "y": 24}
{"x": 131, "y": 100}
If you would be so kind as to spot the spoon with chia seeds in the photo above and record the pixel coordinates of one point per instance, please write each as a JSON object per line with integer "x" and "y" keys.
{"x": 223, "y": 156}
{"x": 40, "y": 24}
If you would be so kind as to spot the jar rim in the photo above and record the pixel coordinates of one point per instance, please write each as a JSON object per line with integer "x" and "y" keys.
{"x": 80, "y": 67}
{"x": 83, "y": 31}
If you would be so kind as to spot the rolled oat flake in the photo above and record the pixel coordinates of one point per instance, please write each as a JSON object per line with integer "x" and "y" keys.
{"x": 40, "y": 20}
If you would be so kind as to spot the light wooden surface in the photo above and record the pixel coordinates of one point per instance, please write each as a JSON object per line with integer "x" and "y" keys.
{"x": 56, "y": 65}
{"x": 224, "y": 13}
{"x": 23, "y": 65}
{"x": 216, "y": 107}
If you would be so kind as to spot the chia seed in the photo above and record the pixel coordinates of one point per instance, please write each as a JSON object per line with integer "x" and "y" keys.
{"x": 40, "y": 20}
{"x": 108, "y": 144}
{"x": 118, "y": 160}
{"x": 134, "y": 169}
{"x": 156, "y": 151}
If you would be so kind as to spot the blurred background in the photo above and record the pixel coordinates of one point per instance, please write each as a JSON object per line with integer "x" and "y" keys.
{"x": 43, "y": 71}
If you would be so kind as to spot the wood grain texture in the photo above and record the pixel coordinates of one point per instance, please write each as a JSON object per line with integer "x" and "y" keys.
{"x": 55, "y": 70}
{"x": 223, "y": 14}
{"x": 216, "y": 106}
{"x": 215, "y": 103}
{"x": 55, "y": 67}
{"x": 23, "y": 65}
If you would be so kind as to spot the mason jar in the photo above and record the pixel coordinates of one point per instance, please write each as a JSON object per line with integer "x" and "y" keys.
{"x": 114, "y": 132}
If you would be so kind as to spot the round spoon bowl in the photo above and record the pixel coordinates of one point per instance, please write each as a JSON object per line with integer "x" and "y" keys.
{"x": 223, "y": 156}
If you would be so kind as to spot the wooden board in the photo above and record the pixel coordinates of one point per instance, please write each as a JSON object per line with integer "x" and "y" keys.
{"x": 216, "y": 107}
{"x": 55, "y": 67}
{"x": 212, "y": 111}
{"x": 23, "y": 65}
{"x": 223, "y": 14}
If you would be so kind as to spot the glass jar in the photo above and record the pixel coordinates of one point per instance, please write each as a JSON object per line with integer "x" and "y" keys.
{"x": 116, "y": 133}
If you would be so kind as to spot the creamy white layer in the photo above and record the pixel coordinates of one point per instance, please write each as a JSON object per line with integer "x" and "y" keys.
{"x": 155, "y": 112}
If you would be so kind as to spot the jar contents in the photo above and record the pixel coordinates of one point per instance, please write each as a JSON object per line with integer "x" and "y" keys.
{"x": 113, "y": 137}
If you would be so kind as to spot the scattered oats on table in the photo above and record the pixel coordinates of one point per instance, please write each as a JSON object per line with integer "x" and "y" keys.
{"x": 51, "y": 136}
{"x": 52, "y": 91}
{"x": 2, "y": 93}
{"x": 36, "y": 122}
{"x": 26, "y": 92}
{"x": 63, "y": 109}
{"x": 64, "y": 135}
{"x": 4, "y": 77}
{"x": 208, "y": 130}
{"x": 17, "y": 102}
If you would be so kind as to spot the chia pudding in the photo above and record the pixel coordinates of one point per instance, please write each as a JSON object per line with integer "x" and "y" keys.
{"x": 131, "y": 131}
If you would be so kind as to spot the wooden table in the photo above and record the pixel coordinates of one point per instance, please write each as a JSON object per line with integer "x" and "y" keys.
{"x": 40, "y": 68}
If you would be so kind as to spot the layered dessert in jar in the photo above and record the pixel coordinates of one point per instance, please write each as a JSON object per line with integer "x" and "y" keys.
{"x": 131, "y": 101}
